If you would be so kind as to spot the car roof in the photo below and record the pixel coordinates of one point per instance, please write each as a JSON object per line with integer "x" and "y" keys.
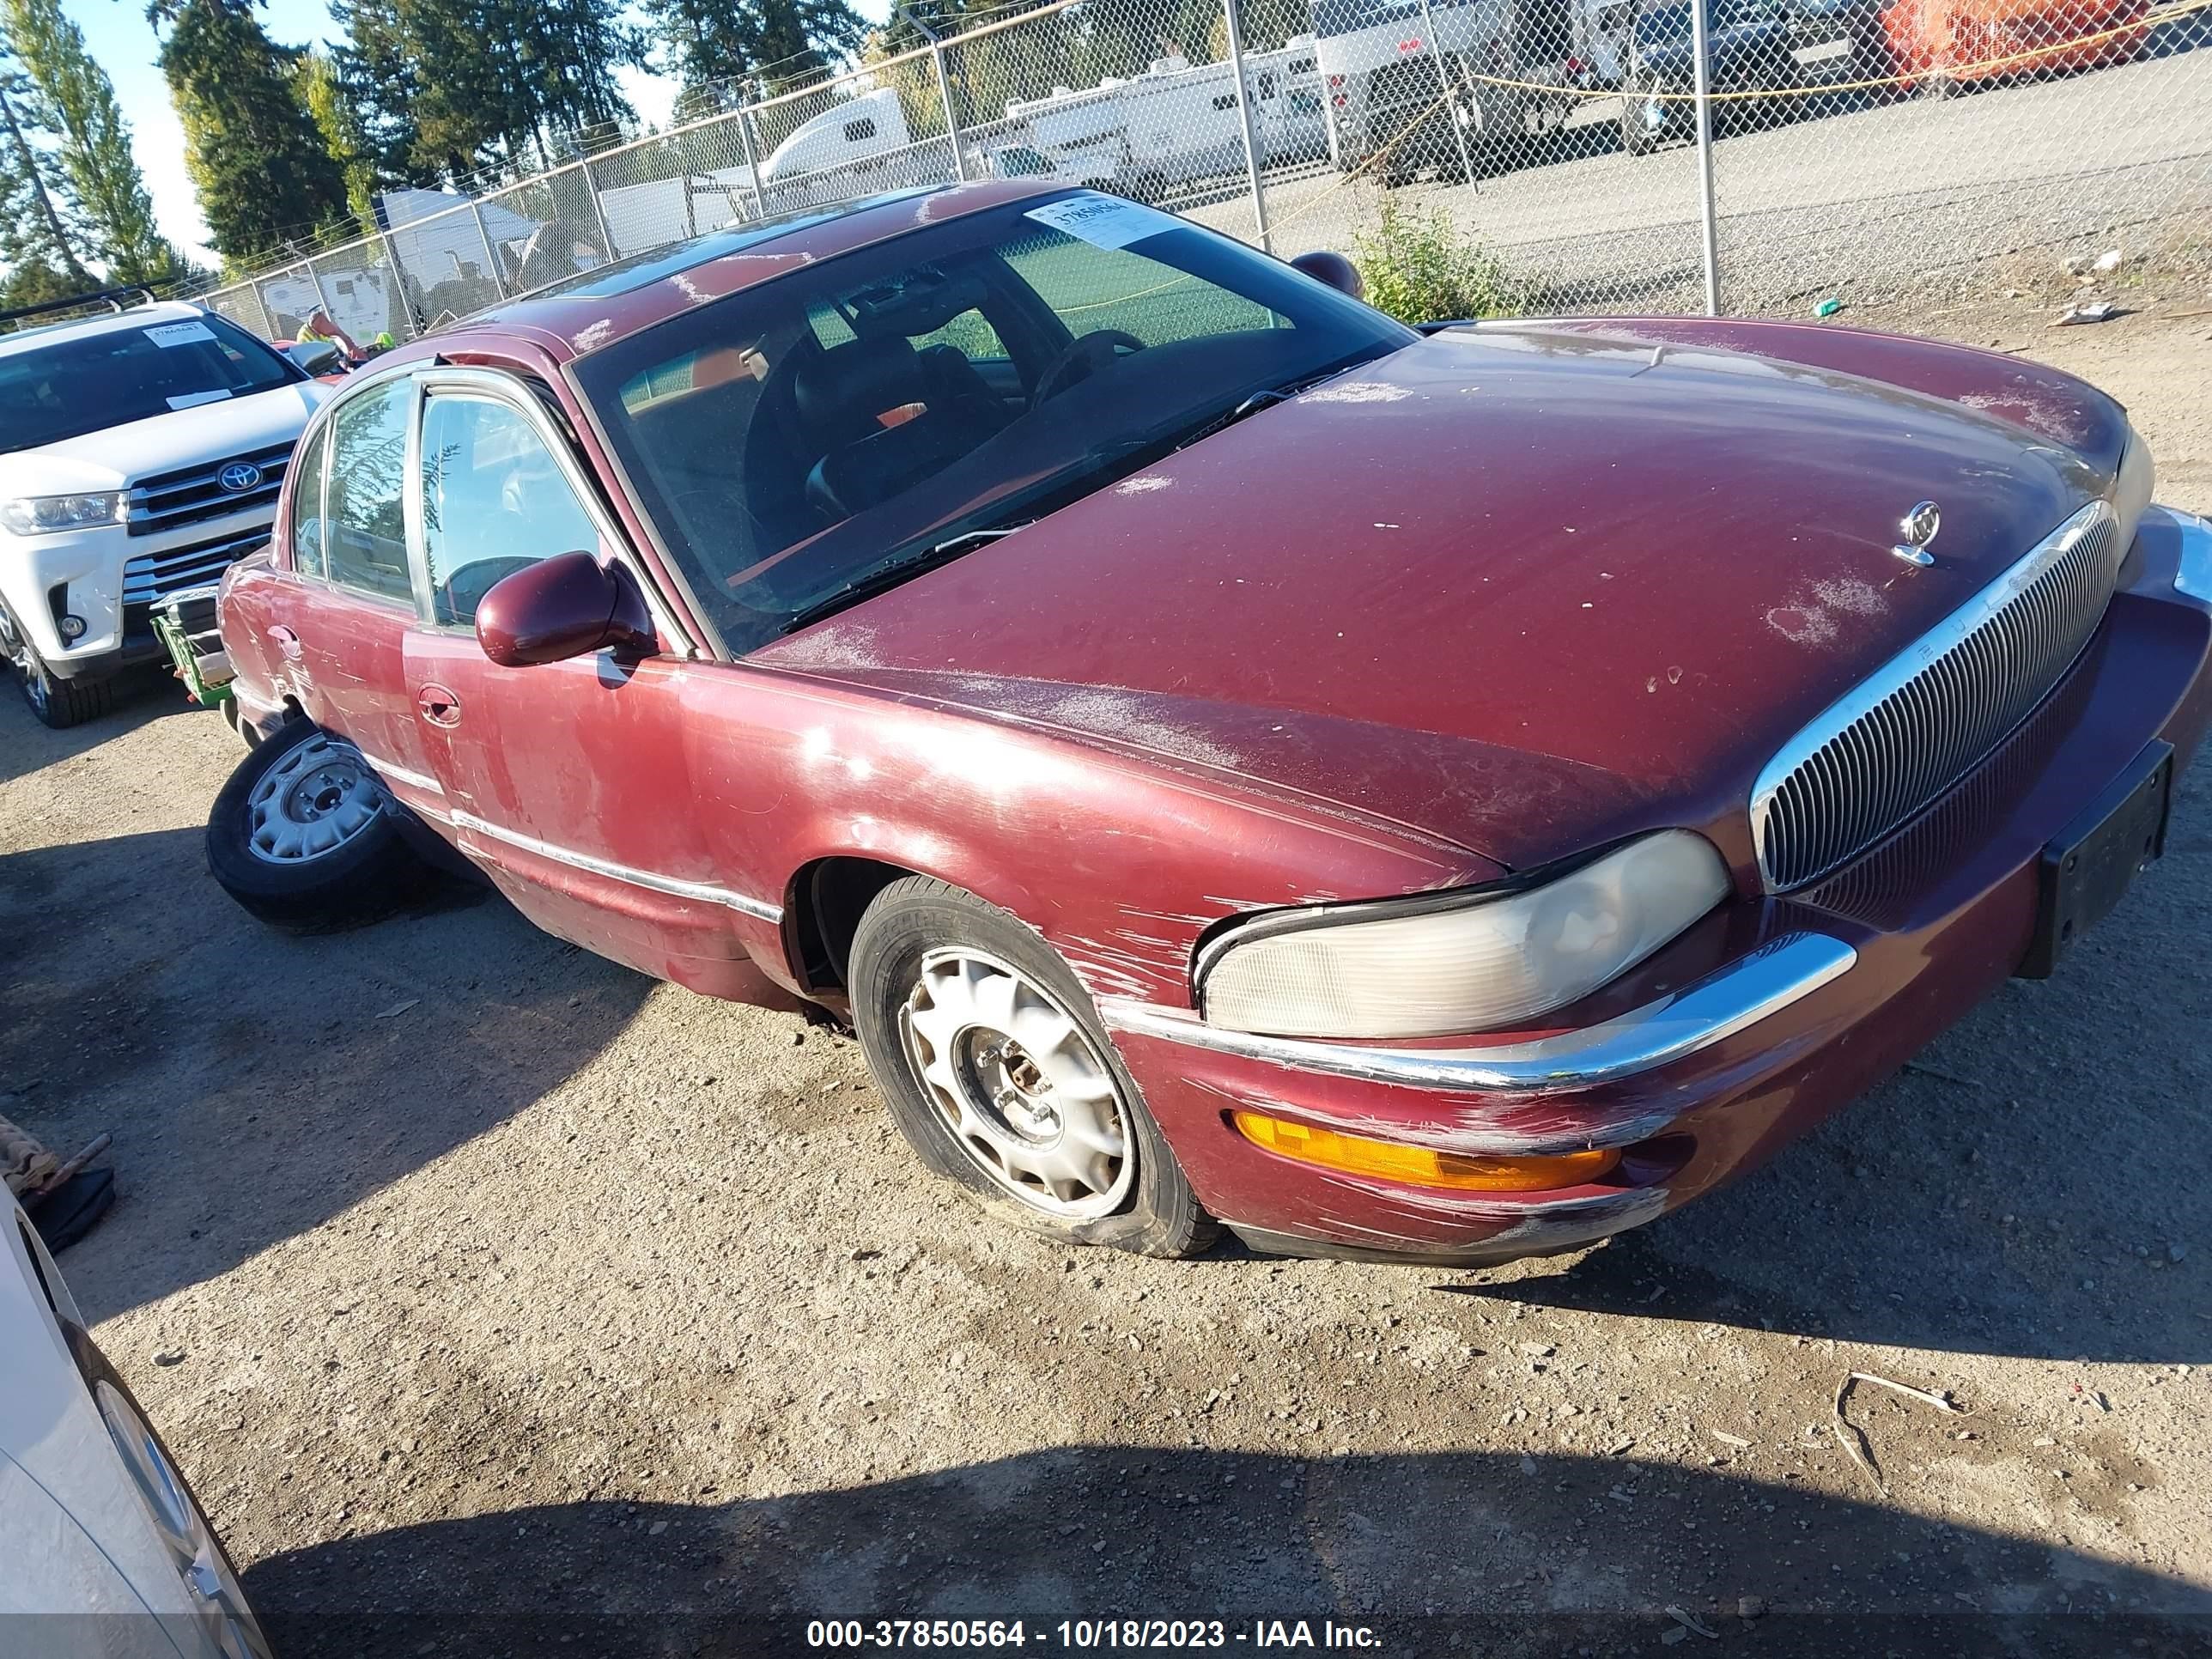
{"x": 598, "y": 307}
{"x": 106, "y": 322}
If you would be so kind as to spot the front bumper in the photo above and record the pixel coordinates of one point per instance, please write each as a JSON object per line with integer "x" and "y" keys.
{"x": 110, "y": 580}
{"x": 1761, "y": 1021}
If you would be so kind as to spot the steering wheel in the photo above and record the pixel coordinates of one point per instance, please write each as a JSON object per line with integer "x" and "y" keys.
{"x": 1092, "y": 351}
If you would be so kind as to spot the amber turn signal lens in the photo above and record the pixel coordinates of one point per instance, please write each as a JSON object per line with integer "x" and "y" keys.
{"x": 1419, "y": 1166}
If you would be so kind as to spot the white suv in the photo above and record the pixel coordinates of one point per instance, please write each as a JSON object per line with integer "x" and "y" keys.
{"x": 140, "y": 453}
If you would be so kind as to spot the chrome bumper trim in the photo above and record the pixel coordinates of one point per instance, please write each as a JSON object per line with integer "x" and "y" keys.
{"x": 2192, "y": 574}
{"x": 1718, "y": 1006}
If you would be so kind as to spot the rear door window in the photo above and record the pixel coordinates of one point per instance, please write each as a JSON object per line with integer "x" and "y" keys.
{"x": 365, "y": 526}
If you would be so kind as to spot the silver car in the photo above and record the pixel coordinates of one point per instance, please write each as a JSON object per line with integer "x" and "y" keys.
{"x": 107, "y": 1553}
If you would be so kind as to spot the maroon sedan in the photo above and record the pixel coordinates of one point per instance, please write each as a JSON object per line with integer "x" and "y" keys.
{"x": 1454, "y": 794}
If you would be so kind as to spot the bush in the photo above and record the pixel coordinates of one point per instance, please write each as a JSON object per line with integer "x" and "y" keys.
{"x": 1420, "y": 267}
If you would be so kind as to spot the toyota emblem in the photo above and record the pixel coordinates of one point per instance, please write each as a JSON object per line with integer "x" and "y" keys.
{"x": 239, "y": 477}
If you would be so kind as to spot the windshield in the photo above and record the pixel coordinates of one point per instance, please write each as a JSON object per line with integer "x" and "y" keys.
{"x": 73, "y": 386}
{"x": 812, "y": 437}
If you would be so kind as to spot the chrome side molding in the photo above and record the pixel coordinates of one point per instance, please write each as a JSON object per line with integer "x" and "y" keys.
{"x": 1725, "y": 1001}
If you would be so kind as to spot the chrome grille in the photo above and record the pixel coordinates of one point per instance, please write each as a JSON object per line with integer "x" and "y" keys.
{"x": 194, "y": 494}
{"x": 1896, "y": 742}
{"x": 152, "y": 576}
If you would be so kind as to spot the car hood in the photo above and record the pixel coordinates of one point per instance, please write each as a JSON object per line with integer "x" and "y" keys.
{"x": 113, "y": 457}
{"x": 1524, "y": 587}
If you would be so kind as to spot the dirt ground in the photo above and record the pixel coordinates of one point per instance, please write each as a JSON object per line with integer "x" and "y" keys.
{"x": 501, "y": 1302}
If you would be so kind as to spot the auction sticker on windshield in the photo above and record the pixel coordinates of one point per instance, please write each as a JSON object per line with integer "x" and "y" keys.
{"x": 177, "y": 334}
{"x": 1103, "y": 220}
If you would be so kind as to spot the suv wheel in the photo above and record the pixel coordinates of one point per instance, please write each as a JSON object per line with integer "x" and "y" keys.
{"x": 304, "y": 836}
{"x": 57, "y": 701}
{"x": 1000, "y": 1075}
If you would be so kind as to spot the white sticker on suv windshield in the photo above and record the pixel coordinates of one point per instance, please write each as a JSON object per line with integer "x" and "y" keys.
{"x": 1103, "y": 220}
{"x": 177, "y": 334}
{"x": 194, "y": 399}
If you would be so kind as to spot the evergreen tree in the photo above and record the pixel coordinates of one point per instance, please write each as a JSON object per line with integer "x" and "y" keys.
{"x": 376, "y": 82}
{"x": 262, "y": 170}
{"x": 454, "y": 88}
{"x": 781, "y": 43}
{"x": 76, "y": 104}
{"x": 33, "y": 231}
{"x": 316, "y": 80}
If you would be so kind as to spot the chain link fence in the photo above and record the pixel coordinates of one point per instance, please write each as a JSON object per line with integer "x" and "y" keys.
{"x": 1755, "y": 156}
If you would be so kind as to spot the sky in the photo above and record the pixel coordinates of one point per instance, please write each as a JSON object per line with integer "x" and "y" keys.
{"x": 124, "y": 43}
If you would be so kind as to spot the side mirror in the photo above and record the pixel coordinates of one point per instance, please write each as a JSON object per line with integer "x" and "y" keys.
{"x": 569, "y": 605}
{"x": 1325, "y": 265}
{"x": 316, "y": 356}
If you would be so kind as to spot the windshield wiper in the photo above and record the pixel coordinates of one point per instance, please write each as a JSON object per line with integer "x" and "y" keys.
{"x": 989, "y": 532}
{"x": 1265, "y": 397}
{"x": 890, "y": 575}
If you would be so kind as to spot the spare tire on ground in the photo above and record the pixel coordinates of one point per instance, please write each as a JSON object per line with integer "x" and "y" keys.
{"x": 305, "y": 838}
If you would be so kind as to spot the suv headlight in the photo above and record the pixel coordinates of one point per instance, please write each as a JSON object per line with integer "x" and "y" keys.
{"x": 1443, "y": 964}
{"x": 41, "y": 516}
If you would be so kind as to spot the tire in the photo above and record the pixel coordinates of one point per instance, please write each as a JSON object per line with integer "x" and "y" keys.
{"x": 284, "y": 799}
{"x": 920, "y": 948}
{"x": 58, "y": 703}
{"x": 178, "y": 1518}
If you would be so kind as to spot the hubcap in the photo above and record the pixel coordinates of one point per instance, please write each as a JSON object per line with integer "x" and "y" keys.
{"x": 314, "y": 800}
{"x": 1019, "y": 1084}
{"x": 218, "y": 1603}
{"x": 18, "y": 652}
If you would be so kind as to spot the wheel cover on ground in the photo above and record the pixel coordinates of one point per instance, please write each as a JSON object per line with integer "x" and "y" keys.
{"x": 317, "y": 797}
{"x": 1019, "y": 1084}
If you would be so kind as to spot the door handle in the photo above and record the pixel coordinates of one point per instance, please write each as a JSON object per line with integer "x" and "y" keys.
{"x": 438, "y": 705}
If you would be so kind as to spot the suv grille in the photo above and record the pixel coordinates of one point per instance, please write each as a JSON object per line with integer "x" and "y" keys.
{"x": 1897, "y": 742}
{"x": 170, "y": 499}
{"x": 150, "y": 576}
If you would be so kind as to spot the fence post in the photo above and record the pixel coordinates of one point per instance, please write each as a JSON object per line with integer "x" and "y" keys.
{"x": 1244, "y": 121}
{"x": 491, "y": 255}
{"x": 1700, "y": 43}
{"x": 1444, "y": 85}
{"x": 322, "y": 293}
{"x": 944, "y": 92}
{"x": 599, "y": 209}
{"x": 752, "y": 160}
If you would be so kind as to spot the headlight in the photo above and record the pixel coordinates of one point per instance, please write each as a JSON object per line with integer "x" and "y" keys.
{"x": 1445, "y": 964}
{"x": 41, "y": 516}
{"x": 2131, "y": 492}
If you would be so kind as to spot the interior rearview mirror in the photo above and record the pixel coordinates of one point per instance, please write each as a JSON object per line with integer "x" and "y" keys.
{"x": 1327, "y": 265}
{"x": 569, "y": 605}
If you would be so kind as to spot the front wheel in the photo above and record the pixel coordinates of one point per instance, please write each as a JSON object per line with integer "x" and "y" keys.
{"x": 1001, "y": 1076}
{"x": 304, "y": 837}
{"x": 57, "y": 701}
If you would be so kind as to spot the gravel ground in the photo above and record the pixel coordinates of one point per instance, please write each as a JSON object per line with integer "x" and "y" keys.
{"x": 502, "y": 1302}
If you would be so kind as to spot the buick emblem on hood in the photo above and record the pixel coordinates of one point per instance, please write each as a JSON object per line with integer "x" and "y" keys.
{"x": 1919, "y": 528}
{"x": 241, "y": 476}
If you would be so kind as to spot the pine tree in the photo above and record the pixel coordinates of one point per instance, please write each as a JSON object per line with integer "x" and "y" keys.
{"x": 33, "y": 231}
{"x": 377, "y": 83}
{"x": 76, "y": 103}
{"x": 263, "y": 175}
{"x": 780, "y": 43}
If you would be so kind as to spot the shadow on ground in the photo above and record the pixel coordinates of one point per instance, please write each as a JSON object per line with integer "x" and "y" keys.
{"x": 1458, "y": 1554}
{"x": 137, "y": 1000}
